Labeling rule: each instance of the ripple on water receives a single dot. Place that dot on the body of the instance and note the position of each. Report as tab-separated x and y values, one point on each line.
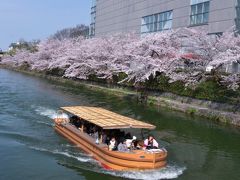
23	138
78	156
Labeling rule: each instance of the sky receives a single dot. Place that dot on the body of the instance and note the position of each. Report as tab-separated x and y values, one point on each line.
38	19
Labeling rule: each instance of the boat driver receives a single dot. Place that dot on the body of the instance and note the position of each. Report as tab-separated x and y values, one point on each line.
151	143
61	118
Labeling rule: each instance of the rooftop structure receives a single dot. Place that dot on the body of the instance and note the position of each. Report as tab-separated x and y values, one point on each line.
105	118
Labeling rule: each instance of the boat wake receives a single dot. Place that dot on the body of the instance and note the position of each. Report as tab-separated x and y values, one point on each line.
45	123
79	156
43	111
169	172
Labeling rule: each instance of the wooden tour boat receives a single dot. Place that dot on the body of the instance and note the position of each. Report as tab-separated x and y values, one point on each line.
107	120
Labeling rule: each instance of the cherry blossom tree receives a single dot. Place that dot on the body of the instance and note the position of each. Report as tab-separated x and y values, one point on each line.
181	55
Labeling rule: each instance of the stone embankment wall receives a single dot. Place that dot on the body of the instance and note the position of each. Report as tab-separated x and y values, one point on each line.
222	112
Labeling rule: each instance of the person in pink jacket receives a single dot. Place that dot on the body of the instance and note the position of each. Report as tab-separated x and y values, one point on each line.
151	143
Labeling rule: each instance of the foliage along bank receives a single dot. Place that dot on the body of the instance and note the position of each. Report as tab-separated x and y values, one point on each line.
172	61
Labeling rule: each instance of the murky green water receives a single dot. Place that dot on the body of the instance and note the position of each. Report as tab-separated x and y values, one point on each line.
31	149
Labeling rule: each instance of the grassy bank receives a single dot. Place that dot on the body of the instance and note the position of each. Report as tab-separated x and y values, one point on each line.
218	111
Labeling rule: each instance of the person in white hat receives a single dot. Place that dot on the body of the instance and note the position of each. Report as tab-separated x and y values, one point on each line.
129	142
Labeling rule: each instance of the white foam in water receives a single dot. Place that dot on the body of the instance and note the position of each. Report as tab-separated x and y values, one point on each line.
82	159
169	172
51	113
41	122
69	145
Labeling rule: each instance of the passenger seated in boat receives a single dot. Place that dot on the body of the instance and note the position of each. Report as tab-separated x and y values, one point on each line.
128	136
137	145
122	147
129	142
78	123
84	129
112	144
92	129
73	119
103	137
150	143
95	134
121	134
88	127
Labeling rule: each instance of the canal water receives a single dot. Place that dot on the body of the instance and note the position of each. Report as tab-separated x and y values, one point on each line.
31	149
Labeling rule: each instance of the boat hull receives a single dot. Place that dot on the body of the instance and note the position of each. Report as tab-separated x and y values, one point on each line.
137	160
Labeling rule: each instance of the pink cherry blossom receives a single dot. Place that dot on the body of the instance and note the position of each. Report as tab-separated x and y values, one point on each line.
181	54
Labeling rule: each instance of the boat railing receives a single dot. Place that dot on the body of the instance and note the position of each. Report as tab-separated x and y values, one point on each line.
91	139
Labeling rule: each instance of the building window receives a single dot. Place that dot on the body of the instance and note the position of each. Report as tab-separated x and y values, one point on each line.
237	19
157	22
93	19
92	29
199	12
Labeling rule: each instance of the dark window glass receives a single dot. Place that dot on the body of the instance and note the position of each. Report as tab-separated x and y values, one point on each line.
199	13
157	22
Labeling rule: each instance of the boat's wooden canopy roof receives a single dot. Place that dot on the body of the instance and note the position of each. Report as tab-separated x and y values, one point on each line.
105	118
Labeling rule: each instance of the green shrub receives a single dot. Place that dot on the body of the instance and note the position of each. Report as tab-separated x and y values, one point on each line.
210	89
55	72
25	66
94	78
191	111
119	77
